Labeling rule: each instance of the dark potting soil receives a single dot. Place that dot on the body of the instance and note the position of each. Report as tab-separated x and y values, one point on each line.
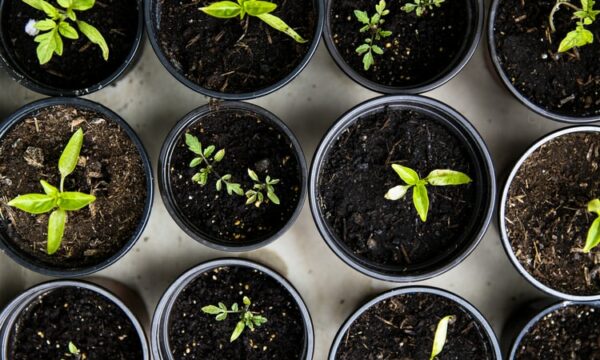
81	64
196	335
357	173
528	53
250	141
546	213
571	332
110	168
94	324
403	327
420	48
233	55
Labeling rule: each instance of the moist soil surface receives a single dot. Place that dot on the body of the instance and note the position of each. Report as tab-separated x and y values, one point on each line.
419	50
403	327
81	64
110	168
357	173
233	55
546	213
98	327
250	141
196	335
528	54
567	333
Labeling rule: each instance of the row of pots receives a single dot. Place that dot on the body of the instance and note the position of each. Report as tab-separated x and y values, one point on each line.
179	329
186	41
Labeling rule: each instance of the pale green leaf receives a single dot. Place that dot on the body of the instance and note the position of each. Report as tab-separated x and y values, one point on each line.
82	5
362	16
34	203
219	155
239	328
362	49
73	201
45	25
594	206
70	156
447	177
195	162
193	144
50	10
36	4
209	151
73	349
56	230
49	189
421	201
368	60
246	301
397	192
59	42
441	332
407	174
212	310
593	236
273	197
94	36
222	9
576	38
257	7
67	30
252	175
46	47
278	24
65	3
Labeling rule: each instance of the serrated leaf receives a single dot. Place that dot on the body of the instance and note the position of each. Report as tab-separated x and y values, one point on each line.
73	201
45	25
209	151
421	201
222	9
233	188
362	49
67	30
70	155
46	47
56	230
94	36
362	16
50	10
59	42
408	175
446	177
193	144
34	203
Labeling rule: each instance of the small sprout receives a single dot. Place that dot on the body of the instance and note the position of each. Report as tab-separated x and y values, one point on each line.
56	26
256	195
373	26
585	16
441	332
57	200
593	235
420	7
420	197
258	8
248	319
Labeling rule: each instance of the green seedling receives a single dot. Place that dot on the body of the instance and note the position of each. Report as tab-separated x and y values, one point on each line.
56	26
439	340
57	200
256	196
74	352
208	157
257	8
248	319
585	16
372	25
420	196
593	235
420	7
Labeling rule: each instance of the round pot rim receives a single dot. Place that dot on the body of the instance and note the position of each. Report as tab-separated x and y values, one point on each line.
8	316
167	151
38	87
458	120
159	330
502	214
151	29
470	308
448	74
494	55
51	270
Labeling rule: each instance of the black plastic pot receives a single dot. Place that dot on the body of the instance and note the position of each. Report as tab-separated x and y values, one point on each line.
12	311
502	214
469	45
20	76
164	183
508	84
486	191
493	341
152	13
45	269
160	322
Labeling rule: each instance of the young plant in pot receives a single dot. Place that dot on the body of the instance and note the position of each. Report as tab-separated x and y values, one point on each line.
233	176
548	214
546	54
70	320
403	46
416	323
232	309
69	47
234	49
402	188
75	187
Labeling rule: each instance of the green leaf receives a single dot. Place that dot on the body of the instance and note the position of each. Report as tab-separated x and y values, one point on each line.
257	7
593	236
362	16
193	144
251	195
253	175
73	201
36	4
219	155
239	328
56	230
377	50
280	25
50	10
407	174
246	301
34	203
222	9
212	310
67	30
385	33
65	3
576	38
82	5
219	185
397	192
274	199
421	201
221	316
46	47
195	162
594	206
203	178
73	349
59	42
209	151
368	60
71	14
441	332
235	307
233	188
380	7
49	189
447	177
259	320
70	155
362	49
45	25
94	36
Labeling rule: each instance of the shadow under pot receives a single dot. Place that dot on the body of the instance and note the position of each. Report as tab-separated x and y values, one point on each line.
397	47
76	187
403	323
402	188
545	214
70	320
232	309
526	47
242	52
90	48
233	176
